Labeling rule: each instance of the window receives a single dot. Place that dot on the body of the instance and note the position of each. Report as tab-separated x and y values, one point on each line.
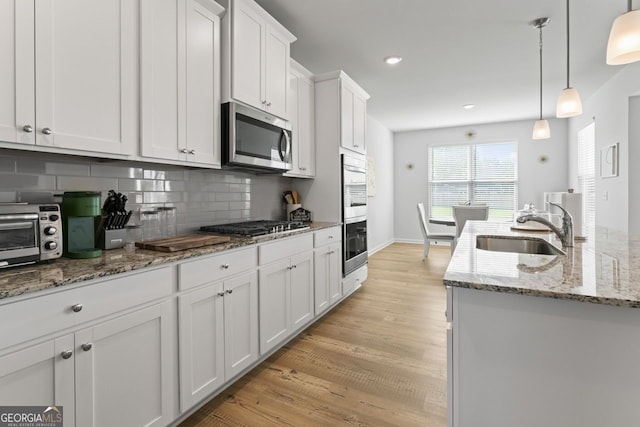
479	173
587	178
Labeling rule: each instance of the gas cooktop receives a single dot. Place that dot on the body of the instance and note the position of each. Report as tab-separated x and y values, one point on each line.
255	228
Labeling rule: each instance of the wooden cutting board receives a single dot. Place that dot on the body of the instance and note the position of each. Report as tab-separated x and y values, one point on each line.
181	243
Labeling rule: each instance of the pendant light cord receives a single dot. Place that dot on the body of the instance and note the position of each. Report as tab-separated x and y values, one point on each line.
540	27
568	84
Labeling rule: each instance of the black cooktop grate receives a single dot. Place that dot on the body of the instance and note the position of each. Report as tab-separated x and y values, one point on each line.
255	228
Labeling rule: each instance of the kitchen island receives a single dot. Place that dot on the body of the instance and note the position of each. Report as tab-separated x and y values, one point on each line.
549	340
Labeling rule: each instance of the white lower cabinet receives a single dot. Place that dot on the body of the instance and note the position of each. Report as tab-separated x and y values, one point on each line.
286	296
112	372
123	370
42	374
328	276
218	330
327	268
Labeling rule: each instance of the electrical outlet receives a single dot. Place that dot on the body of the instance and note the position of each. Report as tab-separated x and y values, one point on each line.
605	195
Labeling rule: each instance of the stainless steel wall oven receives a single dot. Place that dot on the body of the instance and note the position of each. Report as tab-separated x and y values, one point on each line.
354	213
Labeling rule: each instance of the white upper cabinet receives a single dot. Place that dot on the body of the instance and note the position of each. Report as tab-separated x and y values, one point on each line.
302	118
256	56
69	74
180	81
337	92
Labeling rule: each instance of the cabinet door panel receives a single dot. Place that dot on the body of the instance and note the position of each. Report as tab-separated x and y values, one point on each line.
124	379
17	108
276	73
335	272
306	126
248	45
159	78
86	74
359	124
275	303
346	117
38	375
202	84
321	283
201	344
240	323
302	291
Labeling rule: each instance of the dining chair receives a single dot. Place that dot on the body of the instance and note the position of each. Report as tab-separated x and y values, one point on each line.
436	237
463	213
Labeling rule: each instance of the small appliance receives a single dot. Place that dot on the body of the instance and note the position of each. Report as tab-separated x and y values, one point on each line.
29	233
80	216
253	139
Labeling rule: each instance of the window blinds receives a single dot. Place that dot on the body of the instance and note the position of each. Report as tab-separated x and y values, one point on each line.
479	173
587	177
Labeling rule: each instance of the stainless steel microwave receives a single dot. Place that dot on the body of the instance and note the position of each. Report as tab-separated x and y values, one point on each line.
254	139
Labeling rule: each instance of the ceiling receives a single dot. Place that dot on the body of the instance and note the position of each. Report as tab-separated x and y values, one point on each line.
454	53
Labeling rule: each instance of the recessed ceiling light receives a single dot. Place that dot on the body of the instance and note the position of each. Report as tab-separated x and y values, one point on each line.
468	106
392	60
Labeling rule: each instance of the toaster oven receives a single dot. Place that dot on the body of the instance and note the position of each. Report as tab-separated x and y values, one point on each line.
29	233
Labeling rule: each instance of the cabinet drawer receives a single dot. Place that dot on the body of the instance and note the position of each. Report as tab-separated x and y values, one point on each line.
214	268
285	248
354	280
46	314
327	236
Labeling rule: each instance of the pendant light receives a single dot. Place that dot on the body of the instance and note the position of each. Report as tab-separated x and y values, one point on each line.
624	39
569	104
541	127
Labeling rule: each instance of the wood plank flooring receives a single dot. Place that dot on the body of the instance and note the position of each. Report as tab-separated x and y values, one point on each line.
377	359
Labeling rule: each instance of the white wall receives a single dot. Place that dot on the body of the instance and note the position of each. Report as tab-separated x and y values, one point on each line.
609	107
534	177
380	206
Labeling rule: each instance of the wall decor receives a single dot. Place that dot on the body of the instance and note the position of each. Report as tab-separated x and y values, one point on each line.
371	176
609	161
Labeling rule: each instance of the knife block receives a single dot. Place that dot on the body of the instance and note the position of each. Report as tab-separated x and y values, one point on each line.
112	239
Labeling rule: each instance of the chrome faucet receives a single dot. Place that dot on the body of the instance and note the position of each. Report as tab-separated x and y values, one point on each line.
565	234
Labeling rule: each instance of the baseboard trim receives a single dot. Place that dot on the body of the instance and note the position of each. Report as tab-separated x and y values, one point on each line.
381	247
420	242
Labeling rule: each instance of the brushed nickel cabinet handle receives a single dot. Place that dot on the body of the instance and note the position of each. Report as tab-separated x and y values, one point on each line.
27	128
86	346
76	308
46	131
66	354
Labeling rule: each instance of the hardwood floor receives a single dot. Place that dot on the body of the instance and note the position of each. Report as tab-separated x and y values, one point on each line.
377	359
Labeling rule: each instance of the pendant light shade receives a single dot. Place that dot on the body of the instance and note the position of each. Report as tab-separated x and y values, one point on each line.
624	39
541	127
541	130
569	104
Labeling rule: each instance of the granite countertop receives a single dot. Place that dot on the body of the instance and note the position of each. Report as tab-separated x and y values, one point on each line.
604	270
65	271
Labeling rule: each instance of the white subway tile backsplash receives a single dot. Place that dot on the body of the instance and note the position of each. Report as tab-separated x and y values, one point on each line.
201	197
76	183
174	185
110	171
29	165
7	164
27	182
154	174
8	197
228	197
67	168
161	197
140	185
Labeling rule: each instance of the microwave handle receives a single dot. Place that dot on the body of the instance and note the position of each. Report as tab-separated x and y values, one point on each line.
285	155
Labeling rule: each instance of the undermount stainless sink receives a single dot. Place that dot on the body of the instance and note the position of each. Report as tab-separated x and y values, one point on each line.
517	244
